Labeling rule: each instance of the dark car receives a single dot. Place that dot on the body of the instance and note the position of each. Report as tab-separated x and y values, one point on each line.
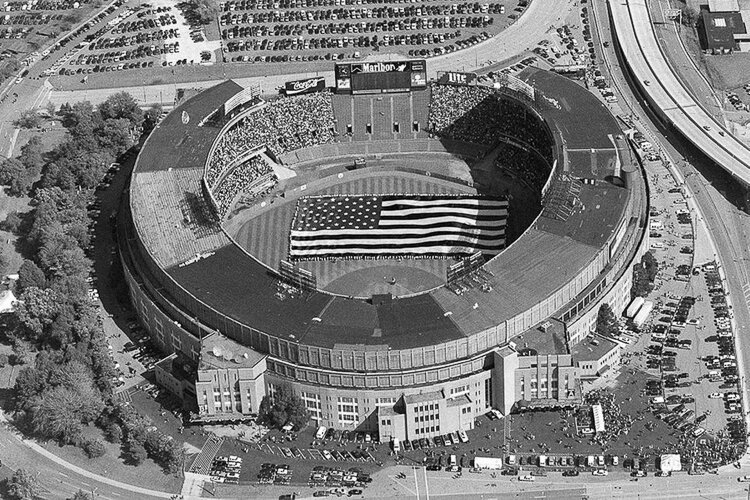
434	467
355	492
571	473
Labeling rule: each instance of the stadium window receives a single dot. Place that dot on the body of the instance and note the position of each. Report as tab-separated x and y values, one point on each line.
368	128
396	127
415	127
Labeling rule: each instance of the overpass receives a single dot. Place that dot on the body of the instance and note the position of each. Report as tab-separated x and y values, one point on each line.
666	94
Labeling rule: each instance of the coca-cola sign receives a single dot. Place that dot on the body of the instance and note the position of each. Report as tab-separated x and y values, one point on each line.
305	86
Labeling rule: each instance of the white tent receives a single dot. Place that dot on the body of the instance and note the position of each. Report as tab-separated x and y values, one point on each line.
598	418
6	301
671	462
488	463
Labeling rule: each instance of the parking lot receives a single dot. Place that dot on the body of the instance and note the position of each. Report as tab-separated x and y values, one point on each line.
339	29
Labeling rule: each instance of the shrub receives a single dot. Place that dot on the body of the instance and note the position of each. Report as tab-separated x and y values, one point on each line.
94	448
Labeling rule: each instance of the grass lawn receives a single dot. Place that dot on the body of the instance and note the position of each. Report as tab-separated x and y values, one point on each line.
12	259
148	474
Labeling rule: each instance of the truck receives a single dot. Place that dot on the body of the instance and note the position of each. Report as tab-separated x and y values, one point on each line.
643	313
452	461
320	434
634	306
396	445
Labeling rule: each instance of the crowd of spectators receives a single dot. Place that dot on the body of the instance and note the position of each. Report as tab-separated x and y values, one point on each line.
252	178
483	115
522	164
282	125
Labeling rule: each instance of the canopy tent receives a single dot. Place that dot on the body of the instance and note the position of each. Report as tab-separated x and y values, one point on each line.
6	301
598	418
670	462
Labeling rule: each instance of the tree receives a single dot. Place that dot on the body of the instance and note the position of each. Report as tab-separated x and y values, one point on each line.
606	322
151	117
650	265
121	105
285	406
24	485
689	16
29	275
12	222
28	119
14	175
94	448
81	495
201	11
135	452
113	432
51	108
22	352
114	136
32	155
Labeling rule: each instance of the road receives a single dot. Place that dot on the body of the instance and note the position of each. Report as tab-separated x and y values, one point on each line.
645	57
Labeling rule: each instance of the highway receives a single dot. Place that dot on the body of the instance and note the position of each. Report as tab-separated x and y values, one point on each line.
637	40
705	184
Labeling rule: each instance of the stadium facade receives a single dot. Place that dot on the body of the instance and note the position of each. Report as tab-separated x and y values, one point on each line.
406	367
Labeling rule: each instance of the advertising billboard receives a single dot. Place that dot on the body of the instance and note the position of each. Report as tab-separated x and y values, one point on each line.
306	86
381	76
457	78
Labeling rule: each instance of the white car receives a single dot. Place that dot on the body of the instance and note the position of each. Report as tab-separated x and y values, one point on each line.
744	479
715	395
527	478
601	472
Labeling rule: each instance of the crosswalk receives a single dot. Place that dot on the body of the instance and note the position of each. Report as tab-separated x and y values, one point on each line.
202	463
746	293
123	395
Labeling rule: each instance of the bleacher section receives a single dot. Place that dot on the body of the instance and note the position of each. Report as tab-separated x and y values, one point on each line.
523	164
252	178
382	112
482	115
178	235
282	125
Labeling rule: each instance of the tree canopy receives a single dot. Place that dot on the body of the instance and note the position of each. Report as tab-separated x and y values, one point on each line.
285	407
606	322
24	485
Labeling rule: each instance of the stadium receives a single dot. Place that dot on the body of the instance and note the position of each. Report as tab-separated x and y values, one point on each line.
405	254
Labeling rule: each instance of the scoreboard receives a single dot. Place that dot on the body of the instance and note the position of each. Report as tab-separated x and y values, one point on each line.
383	76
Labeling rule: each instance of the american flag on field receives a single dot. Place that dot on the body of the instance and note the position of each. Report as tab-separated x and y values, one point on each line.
394	225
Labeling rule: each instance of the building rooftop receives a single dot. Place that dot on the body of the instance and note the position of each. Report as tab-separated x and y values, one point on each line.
187	144
220	352
719	29
387	411
462	400
723	5
423	397
551	341
593	348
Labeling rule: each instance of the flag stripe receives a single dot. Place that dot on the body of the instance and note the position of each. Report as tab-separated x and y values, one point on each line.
327	241
421	250
351	234
429	211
